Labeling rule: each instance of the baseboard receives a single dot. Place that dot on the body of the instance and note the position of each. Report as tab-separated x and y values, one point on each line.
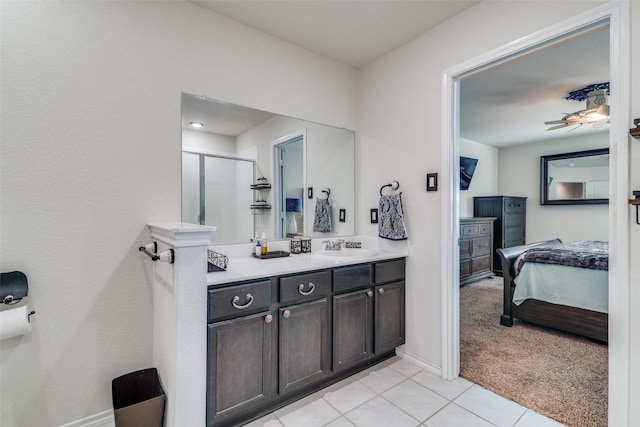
102	419
402	353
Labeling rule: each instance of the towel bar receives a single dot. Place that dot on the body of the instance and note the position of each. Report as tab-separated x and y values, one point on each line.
394	186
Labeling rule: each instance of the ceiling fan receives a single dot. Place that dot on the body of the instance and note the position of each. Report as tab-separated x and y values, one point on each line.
596	113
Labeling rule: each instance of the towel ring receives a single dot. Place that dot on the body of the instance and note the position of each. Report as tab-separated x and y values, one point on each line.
394	186
328	191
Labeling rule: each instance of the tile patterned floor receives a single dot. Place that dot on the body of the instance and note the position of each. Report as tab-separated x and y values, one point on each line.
397	393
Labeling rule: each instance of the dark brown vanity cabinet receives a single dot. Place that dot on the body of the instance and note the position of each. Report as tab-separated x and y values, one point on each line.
368	319
272	341
304	346
237	384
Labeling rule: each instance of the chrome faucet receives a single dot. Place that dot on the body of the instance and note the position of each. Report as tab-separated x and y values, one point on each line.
334	245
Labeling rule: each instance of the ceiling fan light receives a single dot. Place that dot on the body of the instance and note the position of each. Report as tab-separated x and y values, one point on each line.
601	113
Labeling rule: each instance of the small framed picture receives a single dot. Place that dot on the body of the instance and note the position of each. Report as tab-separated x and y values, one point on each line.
432	182
374	216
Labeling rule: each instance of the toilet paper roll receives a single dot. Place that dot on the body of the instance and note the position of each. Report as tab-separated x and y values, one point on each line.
14	322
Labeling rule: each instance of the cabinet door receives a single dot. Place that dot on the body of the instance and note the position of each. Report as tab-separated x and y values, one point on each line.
389	316
304	344
239	365
352	328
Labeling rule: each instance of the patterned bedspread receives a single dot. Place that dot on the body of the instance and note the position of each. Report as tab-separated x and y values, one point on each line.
585	254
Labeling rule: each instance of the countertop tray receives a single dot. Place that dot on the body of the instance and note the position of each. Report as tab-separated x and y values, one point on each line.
273	254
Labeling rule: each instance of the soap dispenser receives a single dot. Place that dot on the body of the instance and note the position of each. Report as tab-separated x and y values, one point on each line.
264	248
258	246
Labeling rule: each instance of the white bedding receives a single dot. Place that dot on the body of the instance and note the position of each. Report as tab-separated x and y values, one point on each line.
559	284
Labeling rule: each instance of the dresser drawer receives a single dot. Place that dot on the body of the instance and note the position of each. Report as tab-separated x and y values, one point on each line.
470	230
513	219
512	204
239	300
389	271
465	268
513	234
304	287
352	277
465	248
481	246
480	264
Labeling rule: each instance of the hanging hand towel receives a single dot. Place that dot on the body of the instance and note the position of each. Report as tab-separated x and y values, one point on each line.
322	220
391	218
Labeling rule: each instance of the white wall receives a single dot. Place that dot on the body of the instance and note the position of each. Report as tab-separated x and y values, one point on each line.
485	178
520	176
406	85
91	153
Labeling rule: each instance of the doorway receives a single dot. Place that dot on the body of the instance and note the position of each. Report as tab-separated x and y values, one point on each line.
289	155
617	15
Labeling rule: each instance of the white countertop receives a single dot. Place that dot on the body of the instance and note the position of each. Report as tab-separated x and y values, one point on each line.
248	267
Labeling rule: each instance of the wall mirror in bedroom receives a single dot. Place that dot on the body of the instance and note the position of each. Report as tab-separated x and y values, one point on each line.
579	178
233	176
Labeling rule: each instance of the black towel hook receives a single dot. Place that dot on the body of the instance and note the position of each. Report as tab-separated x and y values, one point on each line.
328	191
394	186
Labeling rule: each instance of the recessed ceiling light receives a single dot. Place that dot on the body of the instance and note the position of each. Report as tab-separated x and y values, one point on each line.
196	124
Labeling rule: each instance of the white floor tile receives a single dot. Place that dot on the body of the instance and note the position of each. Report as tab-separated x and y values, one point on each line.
406	368
448	389
415	399
454	416
267	421
340	422
380	413
534	419
382	380
349	397
496	409
314	414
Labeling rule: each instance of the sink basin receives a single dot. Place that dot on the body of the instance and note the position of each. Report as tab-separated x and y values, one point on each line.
348	253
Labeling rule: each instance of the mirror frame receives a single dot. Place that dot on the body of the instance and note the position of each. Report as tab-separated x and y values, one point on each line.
544	178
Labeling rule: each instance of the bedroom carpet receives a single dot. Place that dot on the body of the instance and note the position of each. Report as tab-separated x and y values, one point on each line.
556	374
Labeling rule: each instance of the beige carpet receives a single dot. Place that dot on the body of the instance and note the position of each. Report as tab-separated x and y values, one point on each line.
558	375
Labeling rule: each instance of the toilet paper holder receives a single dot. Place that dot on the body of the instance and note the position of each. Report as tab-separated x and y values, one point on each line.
151	250
13	287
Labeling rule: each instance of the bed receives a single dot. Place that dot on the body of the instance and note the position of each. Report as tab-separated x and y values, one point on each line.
540	288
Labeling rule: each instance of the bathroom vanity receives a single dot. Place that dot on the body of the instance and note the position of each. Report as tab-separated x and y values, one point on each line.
277	337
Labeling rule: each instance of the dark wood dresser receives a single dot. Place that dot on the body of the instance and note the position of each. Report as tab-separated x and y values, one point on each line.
510	225
476	255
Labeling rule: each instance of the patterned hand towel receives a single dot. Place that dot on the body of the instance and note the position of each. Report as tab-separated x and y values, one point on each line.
322	220
391	218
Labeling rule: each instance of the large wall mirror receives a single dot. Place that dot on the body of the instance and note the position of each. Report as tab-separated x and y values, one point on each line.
249	172
577	178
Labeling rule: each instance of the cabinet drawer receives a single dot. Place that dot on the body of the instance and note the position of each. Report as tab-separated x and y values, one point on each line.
486	229
389	271
469	230
303	287
465	248
512	204
513	233
465	268
480	264
239	300
513	219
353	277
481	246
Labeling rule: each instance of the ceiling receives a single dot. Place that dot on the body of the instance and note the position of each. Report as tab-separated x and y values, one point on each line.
504	105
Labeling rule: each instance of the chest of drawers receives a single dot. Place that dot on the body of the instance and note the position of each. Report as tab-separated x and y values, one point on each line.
476	254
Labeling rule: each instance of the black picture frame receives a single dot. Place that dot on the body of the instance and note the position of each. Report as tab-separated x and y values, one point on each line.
546	179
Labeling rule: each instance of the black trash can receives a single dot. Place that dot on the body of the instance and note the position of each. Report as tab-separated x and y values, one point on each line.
138	399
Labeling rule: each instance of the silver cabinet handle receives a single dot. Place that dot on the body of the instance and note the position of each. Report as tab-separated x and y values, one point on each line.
312	288
268	318
236	299
369	294
286	314
381	291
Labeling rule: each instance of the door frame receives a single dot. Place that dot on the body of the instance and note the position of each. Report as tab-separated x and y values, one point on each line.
617	13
